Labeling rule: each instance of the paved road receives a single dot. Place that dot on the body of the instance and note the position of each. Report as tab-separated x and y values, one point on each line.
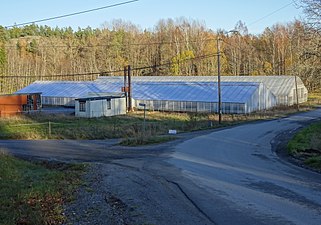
242	181
74	150
229	176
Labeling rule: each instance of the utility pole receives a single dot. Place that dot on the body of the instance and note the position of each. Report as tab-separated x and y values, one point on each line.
144	124
219	73
296	82
296	91
130	108
125	86
219	81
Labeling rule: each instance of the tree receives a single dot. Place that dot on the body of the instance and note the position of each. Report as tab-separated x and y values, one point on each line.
312	10
3	60
173	47
311	53
3	57
181	64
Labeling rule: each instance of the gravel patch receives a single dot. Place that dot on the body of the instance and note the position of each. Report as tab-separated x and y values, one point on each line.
116	193
94	204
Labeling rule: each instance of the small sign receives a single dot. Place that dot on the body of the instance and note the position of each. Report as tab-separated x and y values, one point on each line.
125	89
142	104
172	132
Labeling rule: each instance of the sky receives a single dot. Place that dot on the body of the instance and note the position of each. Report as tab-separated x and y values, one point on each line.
215	14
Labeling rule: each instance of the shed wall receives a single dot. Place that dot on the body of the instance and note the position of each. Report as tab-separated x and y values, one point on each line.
99	108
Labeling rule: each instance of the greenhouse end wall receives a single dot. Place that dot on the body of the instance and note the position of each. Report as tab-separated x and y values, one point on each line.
261	99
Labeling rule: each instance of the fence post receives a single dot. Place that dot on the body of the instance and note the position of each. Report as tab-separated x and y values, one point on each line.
49	129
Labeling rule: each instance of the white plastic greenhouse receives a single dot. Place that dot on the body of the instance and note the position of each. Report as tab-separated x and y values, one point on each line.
283	87
181	93
203	97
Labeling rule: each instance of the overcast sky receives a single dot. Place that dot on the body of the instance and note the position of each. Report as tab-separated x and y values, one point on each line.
216	14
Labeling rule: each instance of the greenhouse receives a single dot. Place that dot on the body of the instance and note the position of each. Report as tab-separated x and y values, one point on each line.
64	93
181	93
203	96
283	87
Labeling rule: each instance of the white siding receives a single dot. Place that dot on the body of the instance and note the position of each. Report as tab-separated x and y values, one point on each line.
99	108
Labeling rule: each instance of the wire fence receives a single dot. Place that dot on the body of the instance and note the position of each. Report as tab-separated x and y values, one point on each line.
36	126
44	128
93	130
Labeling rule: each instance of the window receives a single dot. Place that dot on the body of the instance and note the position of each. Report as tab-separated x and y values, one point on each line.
82	106
108	103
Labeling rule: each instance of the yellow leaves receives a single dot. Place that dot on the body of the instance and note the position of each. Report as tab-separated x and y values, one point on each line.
268	68
180	59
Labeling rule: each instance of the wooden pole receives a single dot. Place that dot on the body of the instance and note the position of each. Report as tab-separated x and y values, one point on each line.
297	96
219	81
49	129
125	86
130	107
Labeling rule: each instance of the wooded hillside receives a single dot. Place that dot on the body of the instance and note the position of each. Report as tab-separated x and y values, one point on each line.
173	47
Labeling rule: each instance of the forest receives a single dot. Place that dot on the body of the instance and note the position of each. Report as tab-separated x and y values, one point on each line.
173	47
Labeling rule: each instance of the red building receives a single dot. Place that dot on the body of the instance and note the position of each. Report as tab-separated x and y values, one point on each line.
16	103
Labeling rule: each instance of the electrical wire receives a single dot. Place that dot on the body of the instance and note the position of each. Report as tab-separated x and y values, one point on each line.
60	75
270	14
111	71
110	45
71	14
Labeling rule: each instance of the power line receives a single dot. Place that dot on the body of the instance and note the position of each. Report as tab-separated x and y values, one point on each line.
123	44
270	14
111	71
180	61
60	75
72	14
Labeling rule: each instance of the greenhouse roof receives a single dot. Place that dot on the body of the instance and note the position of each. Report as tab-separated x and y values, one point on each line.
278	85
238	92
73	89
194	91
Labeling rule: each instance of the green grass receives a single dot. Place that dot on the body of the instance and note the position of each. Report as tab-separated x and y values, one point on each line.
308	138
34	193
314	161
36	126
306	144
146	140
130	126
314	98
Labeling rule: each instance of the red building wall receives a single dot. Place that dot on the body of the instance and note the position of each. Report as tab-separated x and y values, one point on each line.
13	104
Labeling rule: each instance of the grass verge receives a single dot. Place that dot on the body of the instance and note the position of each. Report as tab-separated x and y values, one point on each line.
34	193
36	126
314	99
143	140
306	145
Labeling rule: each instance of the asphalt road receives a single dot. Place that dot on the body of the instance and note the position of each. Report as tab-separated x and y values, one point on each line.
229	176
243	181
